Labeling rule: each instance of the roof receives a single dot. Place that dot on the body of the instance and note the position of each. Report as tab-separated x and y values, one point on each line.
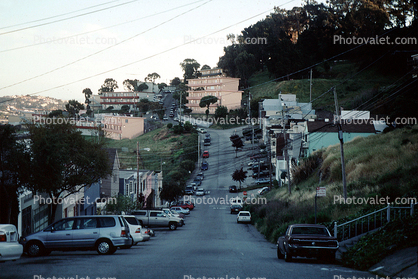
347	127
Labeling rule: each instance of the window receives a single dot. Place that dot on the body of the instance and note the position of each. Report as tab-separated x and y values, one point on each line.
106	222
126	120
86	223
66	224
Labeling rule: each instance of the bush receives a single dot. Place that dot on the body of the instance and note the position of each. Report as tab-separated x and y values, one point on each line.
177	129
170	125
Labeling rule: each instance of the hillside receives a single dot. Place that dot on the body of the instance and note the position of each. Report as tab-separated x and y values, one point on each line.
354	85
384	165
165	149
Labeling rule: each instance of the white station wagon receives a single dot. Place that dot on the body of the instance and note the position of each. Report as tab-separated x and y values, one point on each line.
10	248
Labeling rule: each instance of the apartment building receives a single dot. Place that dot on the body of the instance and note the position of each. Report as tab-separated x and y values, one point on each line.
213	82
123	127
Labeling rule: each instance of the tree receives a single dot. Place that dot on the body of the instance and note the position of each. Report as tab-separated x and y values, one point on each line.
162	85
11	155
152	77
61	162
143	86
236	142
188	126
176	81
189	67
221	112
130	85
206	102
205	67
125	108
87	94
109	85
73	107
120	203
239	175
55	113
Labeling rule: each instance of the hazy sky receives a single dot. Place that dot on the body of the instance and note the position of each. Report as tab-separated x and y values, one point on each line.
124	39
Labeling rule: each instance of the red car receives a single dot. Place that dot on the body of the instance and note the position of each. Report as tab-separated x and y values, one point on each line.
205	154
185	205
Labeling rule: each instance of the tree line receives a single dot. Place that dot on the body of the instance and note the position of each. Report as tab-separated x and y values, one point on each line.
303	36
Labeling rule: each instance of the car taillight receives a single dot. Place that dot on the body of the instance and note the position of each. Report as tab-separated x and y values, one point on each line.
2	237
123	233
138	230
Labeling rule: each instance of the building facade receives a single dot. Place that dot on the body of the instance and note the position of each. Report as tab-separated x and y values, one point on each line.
213	82
123	127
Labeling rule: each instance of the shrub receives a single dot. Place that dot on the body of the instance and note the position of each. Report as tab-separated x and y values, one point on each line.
169	125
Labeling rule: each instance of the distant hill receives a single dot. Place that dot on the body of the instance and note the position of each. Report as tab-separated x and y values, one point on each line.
10	105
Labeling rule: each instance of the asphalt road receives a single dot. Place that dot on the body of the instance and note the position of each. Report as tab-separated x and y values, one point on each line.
210	245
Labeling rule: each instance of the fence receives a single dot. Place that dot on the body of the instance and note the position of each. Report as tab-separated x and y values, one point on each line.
371	221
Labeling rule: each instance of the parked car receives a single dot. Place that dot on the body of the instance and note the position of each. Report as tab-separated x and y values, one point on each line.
235	208
134	229
244	217
205	154
200	192
103	233
236	200
233	189
307	240
173	213
206	142
197	181
189	190
205	166
201	174
262	181
201	130
180	209
10	248
207	136
165	118
182	204
263	190
156	218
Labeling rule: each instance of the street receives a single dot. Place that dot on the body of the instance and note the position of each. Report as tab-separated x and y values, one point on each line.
210	245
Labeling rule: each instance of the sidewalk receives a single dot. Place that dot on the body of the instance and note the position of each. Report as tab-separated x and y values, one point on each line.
401	264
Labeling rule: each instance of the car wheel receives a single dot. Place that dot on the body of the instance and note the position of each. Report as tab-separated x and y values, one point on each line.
279	253
287	257
35	249
172	226
105	247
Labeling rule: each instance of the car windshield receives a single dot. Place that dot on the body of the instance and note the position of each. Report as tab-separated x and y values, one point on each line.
310	230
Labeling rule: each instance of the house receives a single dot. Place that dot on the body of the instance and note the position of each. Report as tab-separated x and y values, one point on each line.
150	185
321	134
123	127
213	82
110	184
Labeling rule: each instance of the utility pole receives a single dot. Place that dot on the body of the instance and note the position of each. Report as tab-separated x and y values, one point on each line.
341	138
252	129
310	88
180	110
137	170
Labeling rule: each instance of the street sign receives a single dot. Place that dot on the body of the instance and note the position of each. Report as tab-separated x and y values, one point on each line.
321	191
244	193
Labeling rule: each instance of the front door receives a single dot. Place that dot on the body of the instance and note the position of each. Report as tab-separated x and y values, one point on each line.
60	235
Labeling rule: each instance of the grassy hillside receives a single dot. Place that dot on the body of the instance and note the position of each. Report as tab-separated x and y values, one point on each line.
353	86
165	147
382	165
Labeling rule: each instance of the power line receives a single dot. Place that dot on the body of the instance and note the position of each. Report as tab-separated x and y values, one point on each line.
51	17
102	50
104	28
64	19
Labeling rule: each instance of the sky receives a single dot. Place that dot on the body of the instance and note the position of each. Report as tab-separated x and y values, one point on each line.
58	48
